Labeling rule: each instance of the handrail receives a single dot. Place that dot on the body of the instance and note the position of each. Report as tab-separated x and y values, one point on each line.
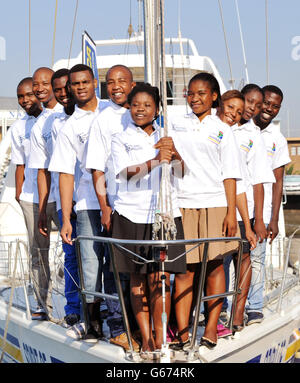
285	269
191	352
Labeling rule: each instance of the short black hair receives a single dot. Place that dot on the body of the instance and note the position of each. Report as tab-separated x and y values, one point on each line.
145	87
24	80
273	89
59	73
120	66
81	68
213	83
250	87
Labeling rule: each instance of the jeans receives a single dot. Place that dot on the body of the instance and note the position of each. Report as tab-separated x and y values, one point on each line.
89	224
39	251
71	273
256	291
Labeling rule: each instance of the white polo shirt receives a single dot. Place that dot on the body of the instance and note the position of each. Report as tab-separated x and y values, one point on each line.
20	150
58	121
255	166
41	143
210	153
114	119
69	153
278	155
137	198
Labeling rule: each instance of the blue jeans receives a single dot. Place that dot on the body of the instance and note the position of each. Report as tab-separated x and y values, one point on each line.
256	291
70	273
89	224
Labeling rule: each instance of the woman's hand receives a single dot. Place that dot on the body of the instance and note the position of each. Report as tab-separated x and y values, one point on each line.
251	238
229	225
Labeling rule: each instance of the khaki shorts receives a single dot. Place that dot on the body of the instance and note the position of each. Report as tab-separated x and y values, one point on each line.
206	223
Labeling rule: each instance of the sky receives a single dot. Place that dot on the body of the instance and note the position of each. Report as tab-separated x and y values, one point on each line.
200	20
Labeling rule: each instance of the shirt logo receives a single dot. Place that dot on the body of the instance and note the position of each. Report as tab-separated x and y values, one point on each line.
216	139
272	151
82	137
129	147
247	147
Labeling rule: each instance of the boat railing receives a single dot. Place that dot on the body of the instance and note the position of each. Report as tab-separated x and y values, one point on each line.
192	352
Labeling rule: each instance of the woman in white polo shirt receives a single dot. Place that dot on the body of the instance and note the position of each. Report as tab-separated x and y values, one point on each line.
231	112
137	154
206	193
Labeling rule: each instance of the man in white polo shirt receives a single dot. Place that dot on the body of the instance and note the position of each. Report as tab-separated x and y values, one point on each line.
278	157
113	120
42	89
43	141
26	179
67	158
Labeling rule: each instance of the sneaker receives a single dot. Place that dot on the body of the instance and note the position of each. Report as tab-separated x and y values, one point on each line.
77	331
122	340
223	331
92	336
72	319
39	314
254	317
223	317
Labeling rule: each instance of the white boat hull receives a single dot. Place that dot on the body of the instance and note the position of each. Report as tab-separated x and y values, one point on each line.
275	340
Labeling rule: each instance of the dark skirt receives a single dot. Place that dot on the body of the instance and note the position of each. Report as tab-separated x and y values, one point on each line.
123	228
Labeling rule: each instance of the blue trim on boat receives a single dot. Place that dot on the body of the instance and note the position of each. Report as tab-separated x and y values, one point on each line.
12	339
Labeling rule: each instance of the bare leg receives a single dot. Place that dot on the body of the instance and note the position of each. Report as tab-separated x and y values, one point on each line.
156	304
140	307
183	297
244	285
215	284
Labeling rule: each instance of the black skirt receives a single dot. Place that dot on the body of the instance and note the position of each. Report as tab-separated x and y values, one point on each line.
123	228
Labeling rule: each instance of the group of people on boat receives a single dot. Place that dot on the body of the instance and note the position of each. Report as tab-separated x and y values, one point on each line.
95	169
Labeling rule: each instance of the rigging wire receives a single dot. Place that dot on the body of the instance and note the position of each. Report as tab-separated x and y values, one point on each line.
267	41
242	41
29	39
54	33
231	81
72	36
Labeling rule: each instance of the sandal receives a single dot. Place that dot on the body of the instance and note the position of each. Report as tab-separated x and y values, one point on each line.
208	343
180	346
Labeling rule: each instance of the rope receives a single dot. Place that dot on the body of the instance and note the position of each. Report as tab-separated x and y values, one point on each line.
164	219
54	33
227	49
72	36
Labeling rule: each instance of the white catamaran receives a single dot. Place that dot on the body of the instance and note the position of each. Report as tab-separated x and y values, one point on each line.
276	339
